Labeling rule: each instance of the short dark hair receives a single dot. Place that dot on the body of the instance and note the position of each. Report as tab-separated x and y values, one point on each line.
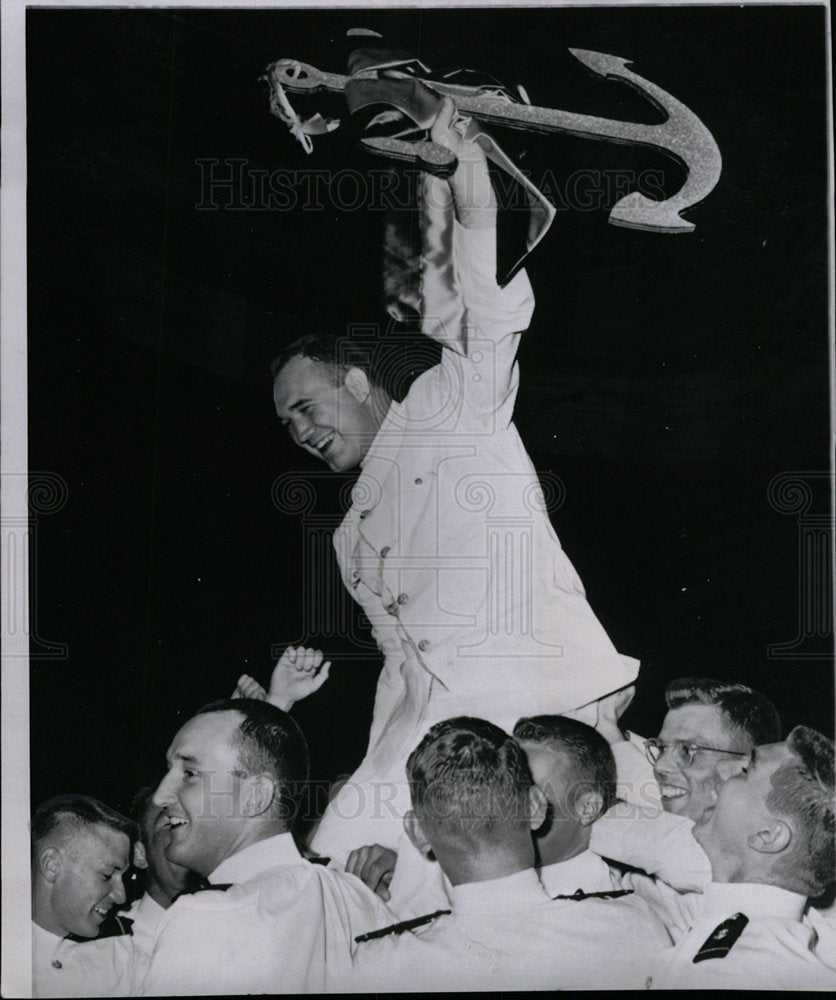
140	804
803	791
68	813
269	741
750	711
593	764
338	354
469	774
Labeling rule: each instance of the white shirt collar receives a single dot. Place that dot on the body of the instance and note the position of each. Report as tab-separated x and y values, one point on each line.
511	892
586	871
43	940
754	899
258	857
387	426
147	909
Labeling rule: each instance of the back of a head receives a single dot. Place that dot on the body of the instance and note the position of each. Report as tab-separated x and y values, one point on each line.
749	711
592	761
65	815
141	803
270	742
803	792
468	775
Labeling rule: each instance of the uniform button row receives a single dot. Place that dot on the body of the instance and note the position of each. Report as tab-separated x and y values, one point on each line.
424	644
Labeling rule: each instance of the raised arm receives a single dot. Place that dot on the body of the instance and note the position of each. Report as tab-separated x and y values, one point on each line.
463	306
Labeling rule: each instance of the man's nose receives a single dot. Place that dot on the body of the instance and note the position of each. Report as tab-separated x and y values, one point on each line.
117	890
302	428
164	794
666	763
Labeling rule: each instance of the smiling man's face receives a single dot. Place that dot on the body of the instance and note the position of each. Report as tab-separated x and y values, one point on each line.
89	882
740	810
329	419
200	796
688	791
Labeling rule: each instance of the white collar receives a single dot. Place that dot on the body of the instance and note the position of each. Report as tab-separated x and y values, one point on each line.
147	908
511	892
388	429
258	857
754	899
44	939
586	871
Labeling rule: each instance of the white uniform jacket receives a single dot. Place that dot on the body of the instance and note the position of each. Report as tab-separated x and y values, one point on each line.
507	934
281	926
749	937
100	967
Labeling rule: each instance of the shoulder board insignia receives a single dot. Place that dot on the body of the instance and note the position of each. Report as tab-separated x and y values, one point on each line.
610	894
722	938
317	860
404	925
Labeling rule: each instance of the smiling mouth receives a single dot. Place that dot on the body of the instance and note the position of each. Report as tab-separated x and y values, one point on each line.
101	911
174	822
672	791
323	443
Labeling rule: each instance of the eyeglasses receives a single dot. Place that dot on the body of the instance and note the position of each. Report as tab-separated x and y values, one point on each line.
683	754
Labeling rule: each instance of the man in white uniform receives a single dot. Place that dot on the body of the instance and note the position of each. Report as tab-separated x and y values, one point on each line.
81	849
770	841
573	766
269	921
447	546
709	729
475	806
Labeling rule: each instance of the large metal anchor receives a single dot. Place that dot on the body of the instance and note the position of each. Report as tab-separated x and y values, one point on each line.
682	135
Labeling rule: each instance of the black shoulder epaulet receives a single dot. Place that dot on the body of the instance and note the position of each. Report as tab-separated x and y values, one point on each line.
404	925
216	886
609	894
722	938
115	925
318	860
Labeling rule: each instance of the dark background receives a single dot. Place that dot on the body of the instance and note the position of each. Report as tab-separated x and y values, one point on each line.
666	380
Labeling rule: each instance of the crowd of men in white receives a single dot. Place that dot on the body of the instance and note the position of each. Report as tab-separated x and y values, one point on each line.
557	857
565	854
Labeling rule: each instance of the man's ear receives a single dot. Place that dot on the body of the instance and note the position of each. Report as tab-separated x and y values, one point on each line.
258	794
140	857
415	832
772	839
588	806
50	863
357	383
538	806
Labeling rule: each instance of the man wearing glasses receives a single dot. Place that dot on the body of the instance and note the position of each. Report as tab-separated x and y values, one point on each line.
710	730
710	727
